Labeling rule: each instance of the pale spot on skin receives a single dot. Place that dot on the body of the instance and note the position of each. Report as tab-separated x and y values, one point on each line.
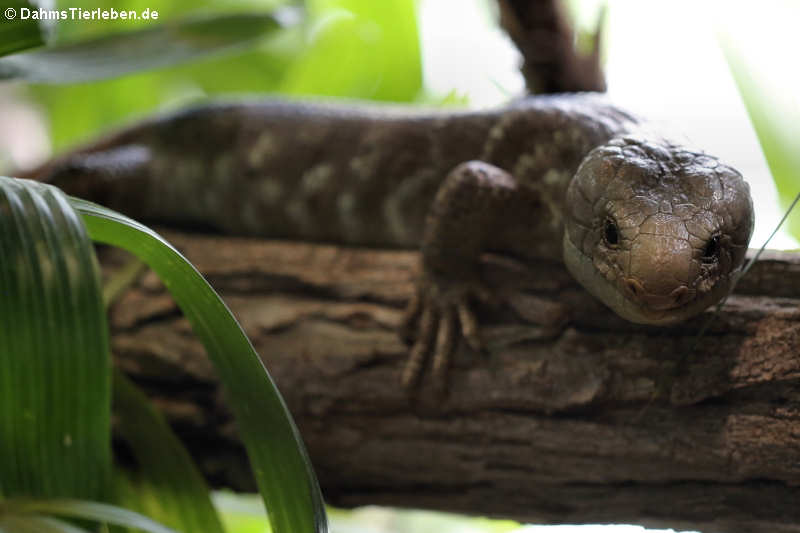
224	167
551	189
363	166
184	176
316	178
346	206
210	201
496	135
250	216
265	147
270	191
266	194
551	185
398	222
298	212
441	122
157	196
557	178
497	132
392	213
525	163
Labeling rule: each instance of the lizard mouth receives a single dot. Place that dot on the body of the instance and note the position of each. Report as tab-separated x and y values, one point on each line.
619	298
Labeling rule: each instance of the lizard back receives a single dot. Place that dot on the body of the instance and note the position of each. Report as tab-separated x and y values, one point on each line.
362	175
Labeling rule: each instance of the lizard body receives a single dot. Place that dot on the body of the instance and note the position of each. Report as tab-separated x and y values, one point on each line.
655	230
362	175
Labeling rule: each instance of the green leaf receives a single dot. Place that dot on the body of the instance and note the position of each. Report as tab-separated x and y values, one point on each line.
36	524
279	460
73	30
242	513
86	510
167	487
54	364
360	49
16	31
122	53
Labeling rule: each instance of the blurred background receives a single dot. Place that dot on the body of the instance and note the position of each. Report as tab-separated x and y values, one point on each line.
702	71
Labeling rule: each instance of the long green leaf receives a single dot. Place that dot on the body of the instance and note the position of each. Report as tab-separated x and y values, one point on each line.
86	510
167	486
54	365
123	53
36	524
279	460
17	31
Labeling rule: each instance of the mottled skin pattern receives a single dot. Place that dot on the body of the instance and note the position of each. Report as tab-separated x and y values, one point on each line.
652	229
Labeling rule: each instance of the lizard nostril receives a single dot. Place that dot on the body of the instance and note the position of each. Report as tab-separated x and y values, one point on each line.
681	295
634	288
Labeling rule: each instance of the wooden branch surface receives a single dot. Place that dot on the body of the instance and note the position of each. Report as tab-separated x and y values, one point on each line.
555	424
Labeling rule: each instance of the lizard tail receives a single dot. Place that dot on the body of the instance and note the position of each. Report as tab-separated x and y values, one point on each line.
92	174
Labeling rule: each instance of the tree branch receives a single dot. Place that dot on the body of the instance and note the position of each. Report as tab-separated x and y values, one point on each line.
556	424
546	39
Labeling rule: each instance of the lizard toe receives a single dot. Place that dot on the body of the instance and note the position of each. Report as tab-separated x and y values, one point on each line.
445	346
436	317
428	324
469	325
411	316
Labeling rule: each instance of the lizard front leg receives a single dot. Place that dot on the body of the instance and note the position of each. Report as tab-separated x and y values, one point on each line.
478	208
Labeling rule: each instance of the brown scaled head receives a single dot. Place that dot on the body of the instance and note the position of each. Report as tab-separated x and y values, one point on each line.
654	230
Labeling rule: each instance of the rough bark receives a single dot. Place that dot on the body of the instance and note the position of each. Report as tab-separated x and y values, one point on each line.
552	60
555	424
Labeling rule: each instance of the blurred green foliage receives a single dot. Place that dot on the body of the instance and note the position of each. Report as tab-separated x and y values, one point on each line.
17	33
359	48
344	48
244	513
774	110
166	485
158	46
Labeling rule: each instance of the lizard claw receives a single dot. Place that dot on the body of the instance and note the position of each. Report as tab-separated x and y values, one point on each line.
432	318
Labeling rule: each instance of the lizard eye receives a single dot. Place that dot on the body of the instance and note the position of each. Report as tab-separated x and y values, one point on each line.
610	233
711	251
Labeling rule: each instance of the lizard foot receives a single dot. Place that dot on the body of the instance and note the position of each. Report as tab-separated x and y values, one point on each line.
432	318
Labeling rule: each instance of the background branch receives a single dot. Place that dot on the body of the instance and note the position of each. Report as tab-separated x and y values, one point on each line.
553	63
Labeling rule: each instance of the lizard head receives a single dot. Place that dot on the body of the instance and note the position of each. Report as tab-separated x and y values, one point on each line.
655	231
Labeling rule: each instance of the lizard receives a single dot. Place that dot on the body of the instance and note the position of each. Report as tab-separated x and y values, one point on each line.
655	230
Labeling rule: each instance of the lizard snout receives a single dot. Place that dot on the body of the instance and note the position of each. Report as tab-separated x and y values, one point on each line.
636	292
660	268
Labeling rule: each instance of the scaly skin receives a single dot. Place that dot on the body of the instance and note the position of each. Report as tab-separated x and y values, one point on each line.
683	222
654	230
